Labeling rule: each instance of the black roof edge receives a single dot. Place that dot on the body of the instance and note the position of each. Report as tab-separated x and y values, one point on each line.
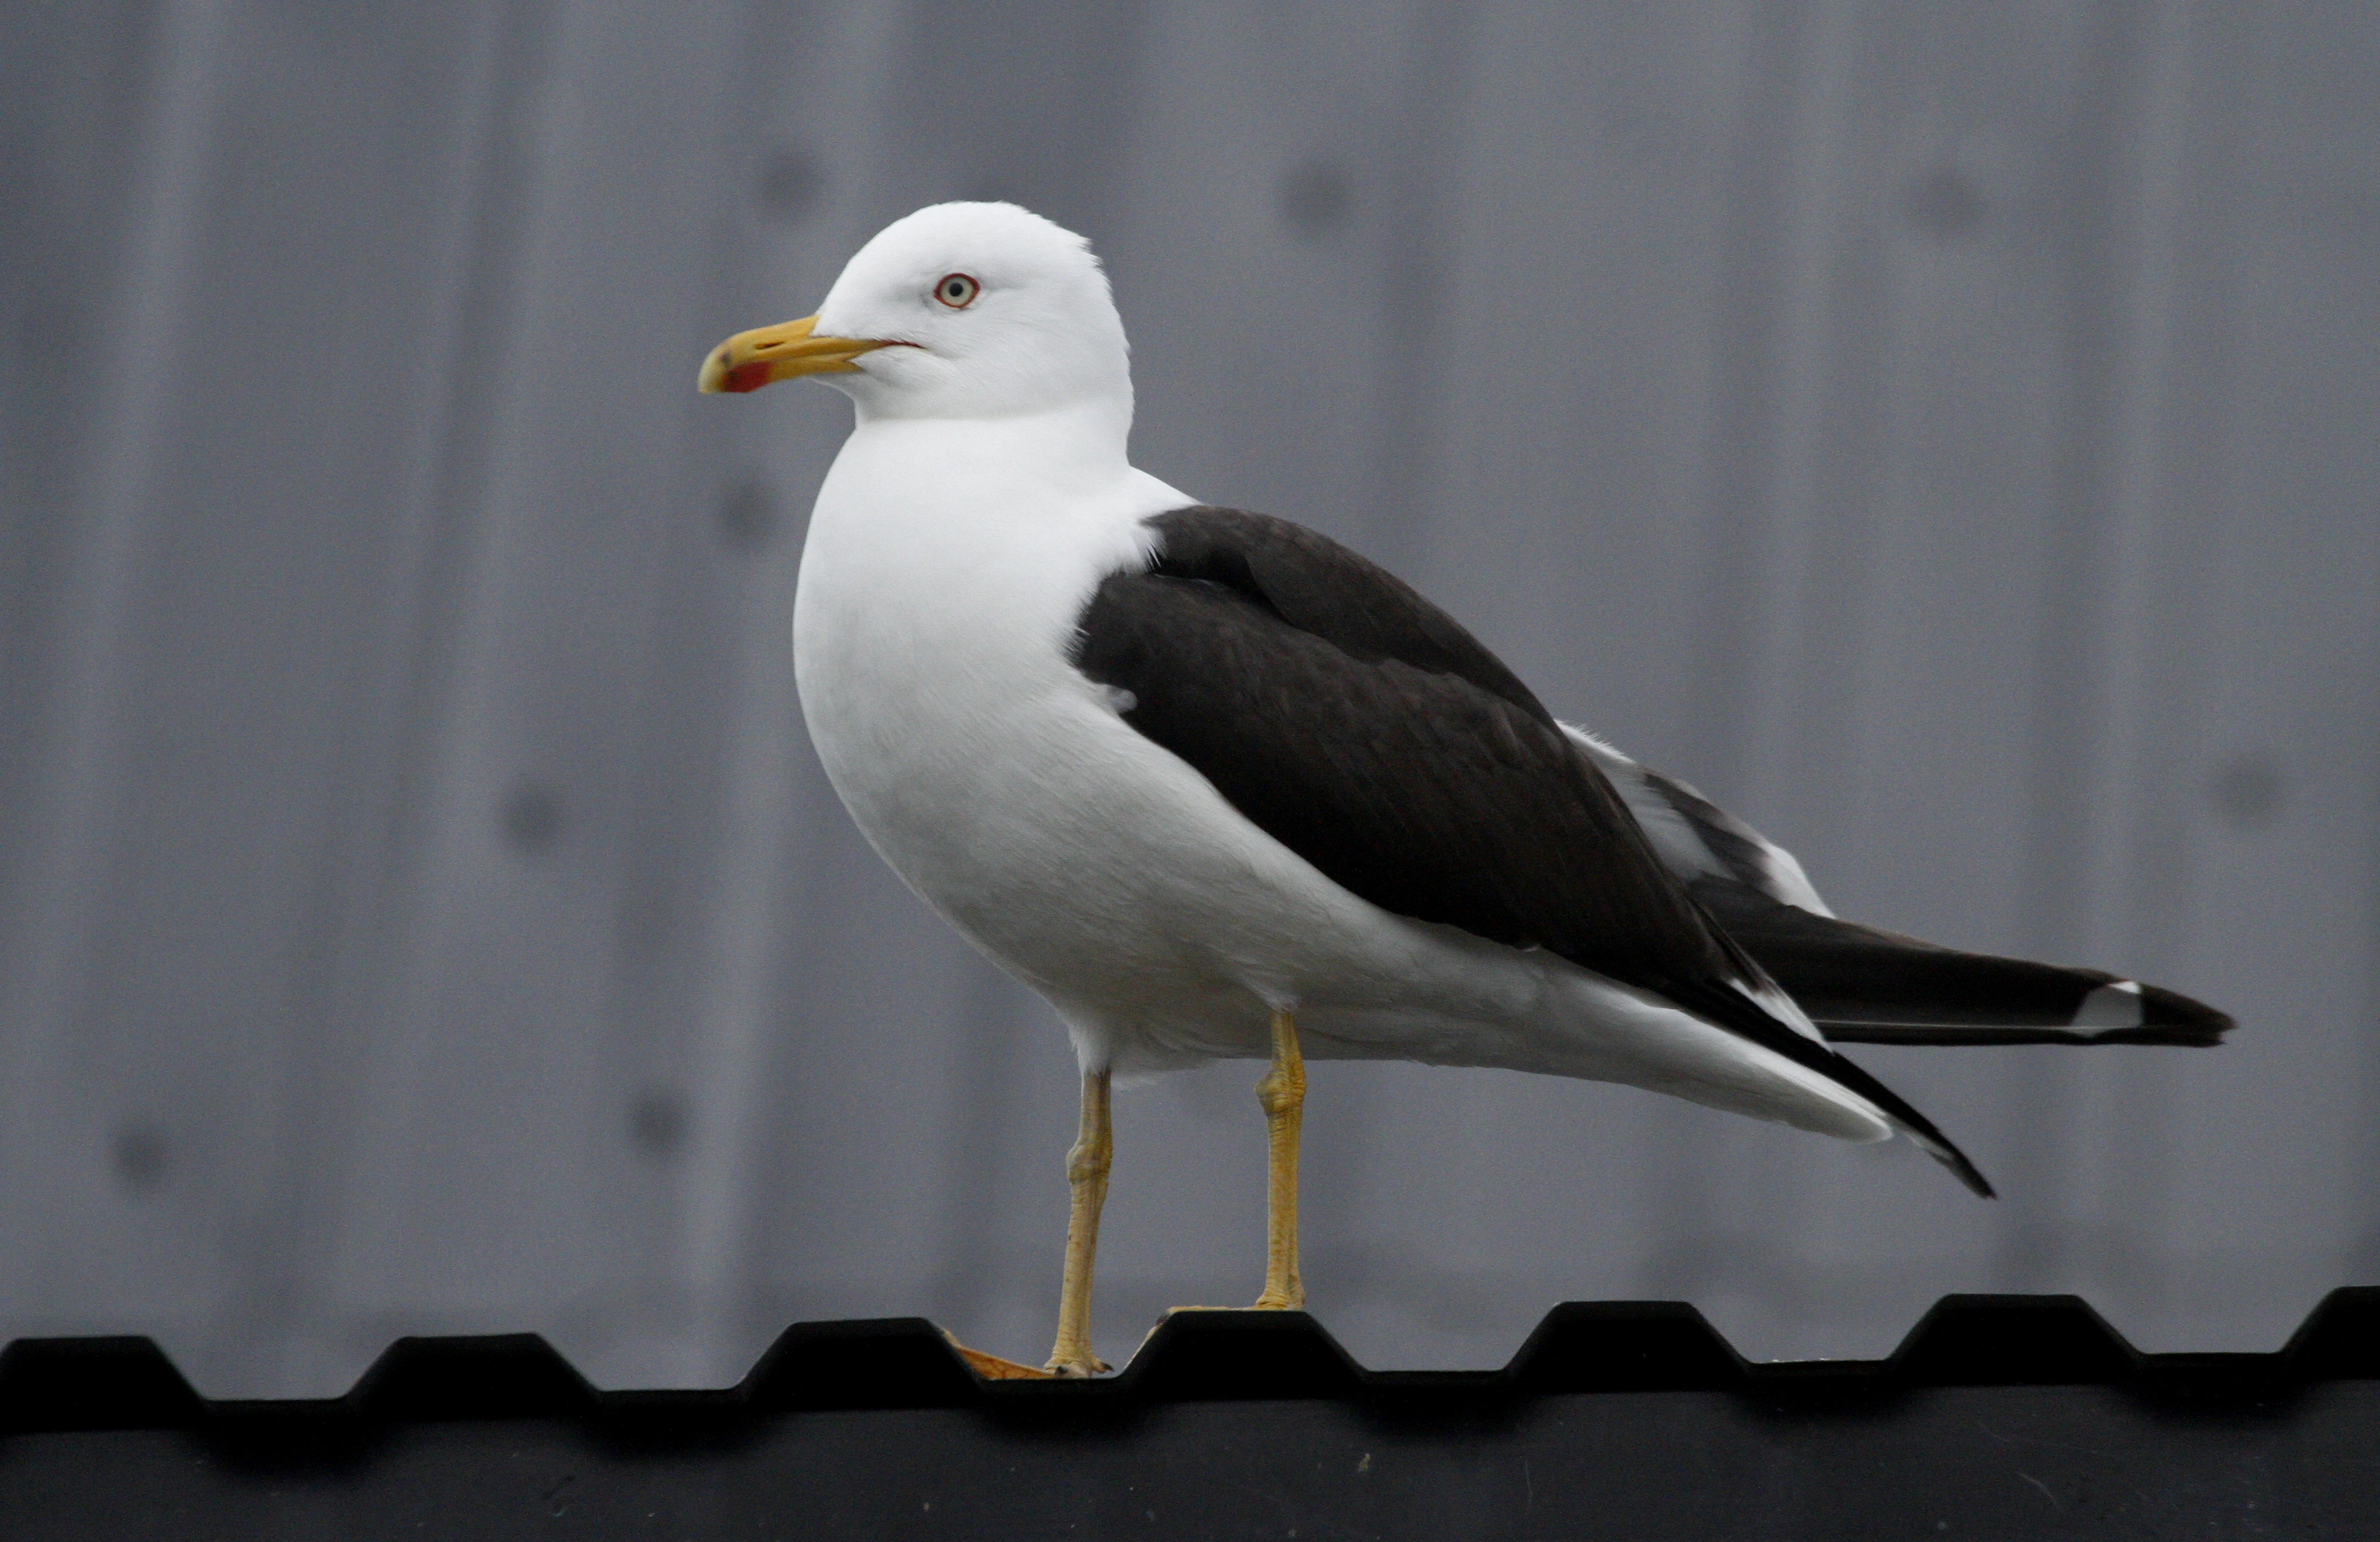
1639	1346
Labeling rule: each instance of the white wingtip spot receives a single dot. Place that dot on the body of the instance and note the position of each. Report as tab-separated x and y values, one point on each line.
2114	1006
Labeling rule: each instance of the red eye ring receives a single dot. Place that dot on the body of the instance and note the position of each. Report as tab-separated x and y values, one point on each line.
956	290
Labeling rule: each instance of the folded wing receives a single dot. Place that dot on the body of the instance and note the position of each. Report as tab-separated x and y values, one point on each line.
1364	729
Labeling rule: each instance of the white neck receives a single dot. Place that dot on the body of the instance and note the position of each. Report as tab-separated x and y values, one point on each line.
1069	449
969	534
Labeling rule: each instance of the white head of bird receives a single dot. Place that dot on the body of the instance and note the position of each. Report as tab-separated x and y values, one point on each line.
960	311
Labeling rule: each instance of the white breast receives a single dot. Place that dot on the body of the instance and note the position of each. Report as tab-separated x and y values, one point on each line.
946	567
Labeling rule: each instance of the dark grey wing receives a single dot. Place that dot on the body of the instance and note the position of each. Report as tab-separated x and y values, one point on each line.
1365	730
1865	986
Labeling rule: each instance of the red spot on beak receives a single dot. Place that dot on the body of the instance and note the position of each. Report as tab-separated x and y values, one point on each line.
748	377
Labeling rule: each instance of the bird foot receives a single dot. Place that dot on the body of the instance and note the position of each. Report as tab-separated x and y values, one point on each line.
992	1368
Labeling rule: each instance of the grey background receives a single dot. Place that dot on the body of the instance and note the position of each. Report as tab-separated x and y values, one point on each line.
1944	432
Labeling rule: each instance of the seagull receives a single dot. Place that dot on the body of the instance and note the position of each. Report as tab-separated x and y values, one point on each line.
1218	787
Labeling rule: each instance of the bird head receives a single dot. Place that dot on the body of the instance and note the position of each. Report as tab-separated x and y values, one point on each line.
958	310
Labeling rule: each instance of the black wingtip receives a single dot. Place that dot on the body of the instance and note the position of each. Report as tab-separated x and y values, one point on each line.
1916	1126
1865	986
2174	1018
1961	1168
1969	1036
2168	1018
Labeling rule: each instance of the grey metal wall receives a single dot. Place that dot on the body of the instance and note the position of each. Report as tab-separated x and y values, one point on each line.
1945	432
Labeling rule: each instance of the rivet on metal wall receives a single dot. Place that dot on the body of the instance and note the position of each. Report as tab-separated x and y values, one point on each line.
139	1158
1945	203
748	515
2247	791
790	182
1316	197
531	818
657	1124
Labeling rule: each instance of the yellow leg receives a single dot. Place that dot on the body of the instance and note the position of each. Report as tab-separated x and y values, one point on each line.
1086	1175
1281	1095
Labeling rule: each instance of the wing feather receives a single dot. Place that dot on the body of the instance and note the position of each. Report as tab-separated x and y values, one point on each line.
1366	730
1861	984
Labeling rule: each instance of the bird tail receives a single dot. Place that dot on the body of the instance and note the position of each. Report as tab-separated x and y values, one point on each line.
1863	986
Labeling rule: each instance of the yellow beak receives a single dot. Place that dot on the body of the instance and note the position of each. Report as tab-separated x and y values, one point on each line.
751	360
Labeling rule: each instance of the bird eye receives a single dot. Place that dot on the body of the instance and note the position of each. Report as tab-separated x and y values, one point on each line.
956	290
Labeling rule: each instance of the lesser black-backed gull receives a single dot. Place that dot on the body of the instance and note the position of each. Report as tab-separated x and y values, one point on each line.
1216	786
